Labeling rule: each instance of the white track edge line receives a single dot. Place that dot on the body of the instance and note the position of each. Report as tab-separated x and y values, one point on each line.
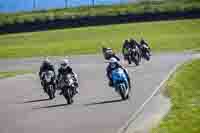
124	128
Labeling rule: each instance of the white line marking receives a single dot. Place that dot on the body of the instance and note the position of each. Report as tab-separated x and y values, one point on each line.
124	128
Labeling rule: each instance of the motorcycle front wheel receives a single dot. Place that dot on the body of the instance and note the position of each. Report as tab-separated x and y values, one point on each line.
123	92
68	96
51	92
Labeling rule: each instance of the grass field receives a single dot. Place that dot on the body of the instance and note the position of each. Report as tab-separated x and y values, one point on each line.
114	10
184	90
162	36
12	73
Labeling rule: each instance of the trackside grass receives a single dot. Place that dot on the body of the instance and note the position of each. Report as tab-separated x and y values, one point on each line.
163	36
12	74
184	90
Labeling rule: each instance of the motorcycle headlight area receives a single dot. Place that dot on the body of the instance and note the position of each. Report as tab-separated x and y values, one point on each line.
48	78
70	82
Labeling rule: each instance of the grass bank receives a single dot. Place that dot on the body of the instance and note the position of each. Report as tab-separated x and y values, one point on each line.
163	36
12	74
113	10
184	90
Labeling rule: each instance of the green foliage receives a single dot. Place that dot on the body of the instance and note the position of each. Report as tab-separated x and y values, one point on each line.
137	8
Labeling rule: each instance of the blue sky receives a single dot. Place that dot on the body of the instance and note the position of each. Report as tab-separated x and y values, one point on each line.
27	5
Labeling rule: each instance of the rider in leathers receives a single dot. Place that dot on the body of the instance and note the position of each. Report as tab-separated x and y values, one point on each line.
142	43
114	64
66	69
137	46
46	66
125	47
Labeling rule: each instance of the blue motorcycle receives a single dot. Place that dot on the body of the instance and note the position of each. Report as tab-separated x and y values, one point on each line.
120	83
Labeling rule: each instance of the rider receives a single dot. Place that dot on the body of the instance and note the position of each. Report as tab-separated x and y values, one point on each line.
142	43
134	43
114	64
137	46
66	69
46	66
126	45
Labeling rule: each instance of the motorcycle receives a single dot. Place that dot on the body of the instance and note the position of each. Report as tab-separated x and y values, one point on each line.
134	55
146	52
49	83
120	83
68	87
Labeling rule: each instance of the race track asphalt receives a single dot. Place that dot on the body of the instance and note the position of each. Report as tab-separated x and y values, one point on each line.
24	107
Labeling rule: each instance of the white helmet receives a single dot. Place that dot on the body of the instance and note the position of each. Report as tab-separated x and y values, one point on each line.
109	50
113	62
64	63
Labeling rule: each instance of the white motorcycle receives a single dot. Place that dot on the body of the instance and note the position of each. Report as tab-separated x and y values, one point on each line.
48	82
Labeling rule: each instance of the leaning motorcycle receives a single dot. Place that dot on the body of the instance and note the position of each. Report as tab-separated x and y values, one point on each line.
48	82
146	52
134	56
68	87
120	83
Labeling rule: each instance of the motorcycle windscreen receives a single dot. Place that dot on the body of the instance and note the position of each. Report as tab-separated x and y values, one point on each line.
118	75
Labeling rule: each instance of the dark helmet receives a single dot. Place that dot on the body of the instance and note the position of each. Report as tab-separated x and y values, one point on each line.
110	52
46	62
126	41
132	40
142	41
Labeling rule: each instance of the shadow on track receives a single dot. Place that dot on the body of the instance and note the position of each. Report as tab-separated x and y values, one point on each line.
51	106
38	100
103	102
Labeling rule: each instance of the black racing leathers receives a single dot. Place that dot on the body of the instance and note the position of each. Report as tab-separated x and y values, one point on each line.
46	67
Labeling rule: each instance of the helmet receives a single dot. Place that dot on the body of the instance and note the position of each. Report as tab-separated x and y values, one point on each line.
126	41
109	51
46	61
132	40
113	60
142	41
64	63
113	63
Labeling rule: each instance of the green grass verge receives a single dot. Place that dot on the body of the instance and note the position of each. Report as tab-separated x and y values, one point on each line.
12	74
184	90
162	36
137	8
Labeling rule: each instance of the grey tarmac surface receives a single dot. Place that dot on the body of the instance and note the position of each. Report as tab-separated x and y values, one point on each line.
97	109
